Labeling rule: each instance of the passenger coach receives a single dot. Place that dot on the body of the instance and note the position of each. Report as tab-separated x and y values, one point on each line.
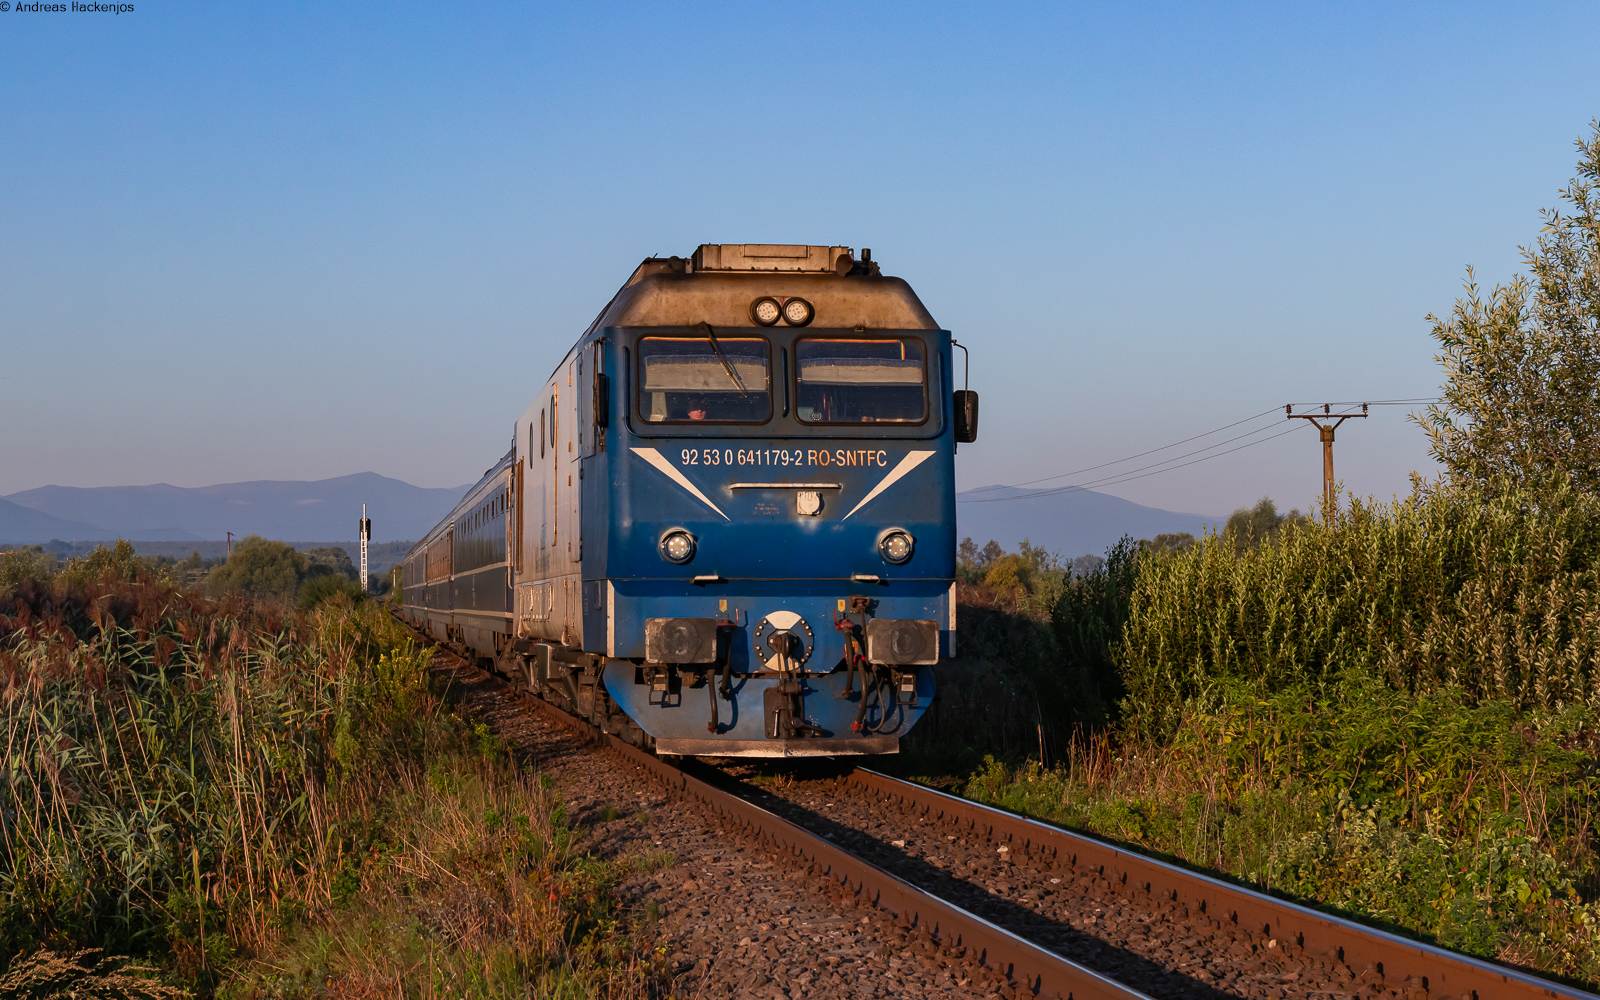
726	525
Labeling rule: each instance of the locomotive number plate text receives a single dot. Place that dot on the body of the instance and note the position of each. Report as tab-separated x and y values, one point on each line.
790	457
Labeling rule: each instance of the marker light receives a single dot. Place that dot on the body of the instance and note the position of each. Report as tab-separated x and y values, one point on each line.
798	312
765	311
677	546
895	546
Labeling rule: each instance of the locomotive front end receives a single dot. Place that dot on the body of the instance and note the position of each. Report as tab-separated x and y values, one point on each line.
732	510
779	553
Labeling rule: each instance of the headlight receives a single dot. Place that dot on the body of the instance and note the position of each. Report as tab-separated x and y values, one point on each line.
895	546
765	311
677	546
798	312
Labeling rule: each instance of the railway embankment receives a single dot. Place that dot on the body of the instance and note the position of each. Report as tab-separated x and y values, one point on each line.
1145	924
233	798
1155	929
1394	718
726	915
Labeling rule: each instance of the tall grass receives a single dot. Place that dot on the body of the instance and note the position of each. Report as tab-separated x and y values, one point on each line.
246	794
1496	596
1398	718
1471	825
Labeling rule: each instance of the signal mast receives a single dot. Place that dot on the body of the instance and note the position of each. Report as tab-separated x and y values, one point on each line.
365	530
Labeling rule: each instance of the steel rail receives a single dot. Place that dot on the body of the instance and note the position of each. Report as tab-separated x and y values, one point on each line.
1040	971
1438	971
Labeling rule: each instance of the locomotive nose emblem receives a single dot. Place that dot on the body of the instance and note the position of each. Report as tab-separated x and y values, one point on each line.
808	502
783	632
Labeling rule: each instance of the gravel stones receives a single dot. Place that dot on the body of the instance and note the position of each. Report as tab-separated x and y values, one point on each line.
736	920
1152	945
741	920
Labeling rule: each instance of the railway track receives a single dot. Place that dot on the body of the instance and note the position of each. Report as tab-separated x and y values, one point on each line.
1148	924
1057	913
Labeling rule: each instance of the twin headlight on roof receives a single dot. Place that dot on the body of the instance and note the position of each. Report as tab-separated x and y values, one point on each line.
795	312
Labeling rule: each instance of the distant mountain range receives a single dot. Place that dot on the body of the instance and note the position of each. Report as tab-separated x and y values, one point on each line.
1071	523
24	524
326	509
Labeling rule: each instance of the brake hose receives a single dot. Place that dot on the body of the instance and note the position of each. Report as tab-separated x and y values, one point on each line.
848	629
867	688
725	686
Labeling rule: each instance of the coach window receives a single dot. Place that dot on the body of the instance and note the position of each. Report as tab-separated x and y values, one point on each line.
860	381
705	377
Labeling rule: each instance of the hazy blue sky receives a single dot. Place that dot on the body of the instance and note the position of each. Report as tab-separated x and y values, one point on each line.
291	241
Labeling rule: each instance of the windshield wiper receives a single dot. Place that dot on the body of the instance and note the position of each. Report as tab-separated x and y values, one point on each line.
724	359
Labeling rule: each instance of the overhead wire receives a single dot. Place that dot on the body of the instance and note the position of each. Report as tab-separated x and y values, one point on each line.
1115	476
1141	454
1372	402
1130	477
1166	465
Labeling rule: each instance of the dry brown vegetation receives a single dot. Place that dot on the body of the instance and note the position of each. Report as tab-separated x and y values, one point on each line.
252	799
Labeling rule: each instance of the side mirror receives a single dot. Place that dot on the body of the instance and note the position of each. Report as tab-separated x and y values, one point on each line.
602	400
966	409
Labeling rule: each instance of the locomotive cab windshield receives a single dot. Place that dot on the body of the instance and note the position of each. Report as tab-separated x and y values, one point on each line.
732	378
857	380
725	379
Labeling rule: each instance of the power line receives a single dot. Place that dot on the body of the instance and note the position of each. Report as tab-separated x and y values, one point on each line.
1130	474
1375	402
1141	454
1118	476
1114	480
1252	444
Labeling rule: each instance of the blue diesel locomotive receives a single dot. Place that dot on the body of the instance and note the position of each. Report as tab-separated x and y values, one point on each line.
726	526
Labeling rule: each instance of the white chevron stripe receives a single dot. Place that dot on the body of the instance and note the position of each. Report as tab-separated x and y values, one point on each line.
911	461
656	459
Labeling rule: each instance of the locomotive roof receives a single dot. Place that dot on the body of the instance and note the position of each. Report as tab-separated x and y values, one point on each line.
719	281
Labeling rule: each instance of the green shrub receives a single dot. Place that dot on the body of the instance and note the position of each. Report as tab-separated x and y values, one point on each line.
1249	526
118	564
1468	824
1398	719
1088	615
24	565
1496	596
325	587
260	568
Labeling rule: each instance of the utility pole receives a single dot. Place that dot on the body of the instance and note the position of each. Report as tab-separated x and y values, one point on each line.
230	545
1327	430
365	528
